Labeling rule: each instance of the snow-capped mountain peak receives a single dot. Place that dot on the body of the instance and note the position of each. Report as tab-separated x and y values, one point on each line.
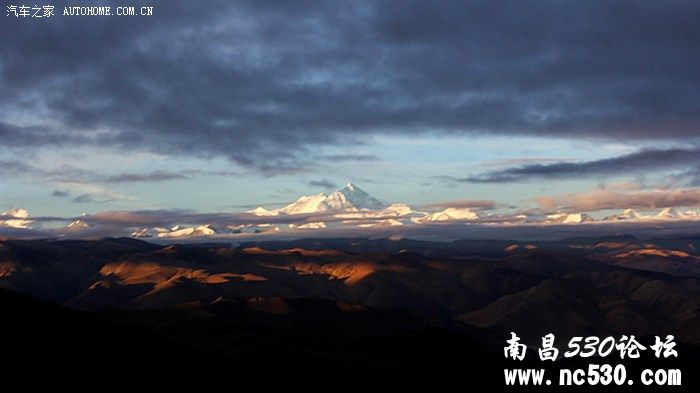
577	218
569	218
668	213
397	209
352	197
631	213
306	204
261	211
182	231
347	199
449	214
78	225
627	214
18	220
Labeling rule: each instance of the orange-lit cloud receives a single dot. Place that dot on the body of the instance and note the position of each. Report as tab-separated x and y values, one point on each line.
613	199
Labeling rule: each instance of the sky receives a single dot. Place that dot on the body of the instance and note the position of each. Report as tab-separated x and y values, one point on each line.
225	106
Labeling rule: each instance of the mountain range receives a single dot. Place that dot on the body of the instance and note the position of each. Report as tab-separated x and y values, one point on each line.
611	285
337	308
347	207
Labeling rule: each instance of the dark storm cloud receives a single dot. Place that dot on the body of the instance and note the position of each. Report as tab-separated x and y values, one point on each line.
266	83
350	157
71	174
84	198
323	183
60	193
155	176
642	161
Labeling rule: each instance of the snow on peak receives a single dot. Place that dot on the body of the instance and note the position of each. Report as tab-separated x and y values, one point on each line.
577	218
306	204
450	214
347	199
142	233
179	231
310	225
397	209
627	214
17	213
569	218
350	206
78	225
352	197
631	213
19	219
668	213
261	211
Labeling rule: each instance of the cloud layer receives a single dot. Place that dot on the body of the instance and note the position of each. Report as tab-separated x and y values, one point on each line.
266	83
71	174
479	204
604	199
639	162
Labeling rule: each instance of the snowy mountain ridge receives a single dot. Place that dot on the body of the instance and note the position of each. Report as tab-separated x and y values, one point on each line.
347	207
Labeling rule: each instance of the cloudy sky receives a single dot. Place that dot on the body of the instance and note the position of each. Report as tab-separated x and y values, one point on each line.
217	107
